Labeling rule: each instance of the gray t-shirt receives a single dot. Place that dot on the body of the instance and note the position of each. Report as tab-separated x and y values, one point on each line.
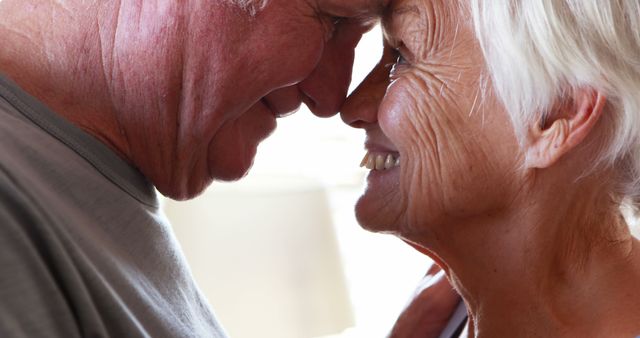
85	250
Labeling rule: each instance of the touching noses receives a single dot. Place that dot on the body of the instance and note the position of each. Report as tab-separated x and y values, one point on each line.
360	110
325	89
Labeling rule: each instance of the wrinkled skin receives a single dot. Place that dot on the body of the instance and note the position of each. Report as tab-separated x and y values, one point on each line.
429	110
183	90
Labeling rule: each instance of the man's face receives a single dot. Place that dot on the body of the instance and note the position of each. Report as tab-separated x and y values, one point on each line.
210	79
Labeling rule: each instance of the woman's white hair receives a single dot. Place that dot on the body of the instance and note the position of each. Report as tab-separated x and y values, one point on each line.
538	50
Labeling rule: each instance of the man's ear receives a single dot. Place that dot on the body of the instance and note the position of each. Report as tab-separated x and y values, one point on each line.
569	125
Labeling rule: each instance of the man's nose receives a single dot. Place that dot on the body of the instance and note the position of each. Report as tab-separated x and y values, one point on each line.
325	90
284	101
361	108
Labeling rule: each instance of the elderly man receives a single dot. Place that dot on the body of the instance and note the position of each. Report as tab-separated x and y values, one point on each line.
103	101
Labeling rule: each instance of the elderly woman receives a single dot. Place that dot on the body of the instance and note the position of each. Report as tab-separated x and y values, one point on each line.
503	141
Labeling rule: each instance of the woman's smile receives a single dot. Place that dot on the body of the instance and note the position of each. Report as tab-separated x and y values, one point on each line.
384	174
380	161
383	161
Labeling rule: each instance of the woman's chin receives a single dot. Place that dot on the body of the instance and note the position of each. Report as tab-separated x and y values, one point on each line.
379	207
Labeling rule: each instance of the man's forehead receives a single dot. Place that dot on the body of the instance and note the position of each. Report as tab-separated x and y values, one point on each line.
353	8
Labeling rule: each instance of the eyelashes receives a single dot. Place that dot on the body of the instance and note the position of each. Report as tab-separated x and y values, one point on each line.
401	60
401	64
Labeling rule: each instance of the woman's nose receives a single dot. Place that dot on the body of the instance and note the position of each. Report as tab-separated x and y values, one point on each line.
361	107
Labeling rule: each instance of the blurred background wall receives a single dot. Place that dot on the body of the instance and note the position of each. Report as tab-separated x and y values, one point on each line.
279	254
266	254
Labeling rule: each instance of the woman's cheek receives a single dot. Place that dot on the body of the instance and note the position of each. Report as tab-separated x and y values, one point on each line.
404	118
390	110
422	180
401	101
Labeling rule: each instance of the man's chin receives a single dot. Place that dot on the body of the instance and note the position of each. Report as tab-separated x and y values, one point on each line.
232	169
184	192
190	184
195	188
231	175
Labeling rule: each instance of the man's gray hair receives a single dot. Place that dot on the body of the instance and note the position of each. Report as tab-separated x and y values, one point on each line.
537	51
250	6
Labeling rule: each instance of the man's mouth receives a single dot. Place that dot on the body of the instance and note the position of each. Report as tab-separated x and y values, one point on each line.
276	113
380	161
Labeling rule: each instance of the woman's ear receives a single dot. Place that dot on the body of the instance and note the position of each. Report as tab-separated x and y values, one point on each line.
568	126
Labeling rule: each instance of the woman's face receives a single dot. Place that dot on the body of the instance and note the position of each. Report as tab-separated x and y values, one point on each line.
451	149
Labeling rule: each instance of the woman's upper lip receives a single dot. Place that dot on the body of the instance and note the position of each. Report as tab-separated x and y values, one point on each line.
377	146
377	141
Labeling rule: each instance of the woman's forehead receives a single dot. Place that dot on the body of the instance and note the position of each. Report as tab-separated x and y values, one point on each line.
401	14
418	16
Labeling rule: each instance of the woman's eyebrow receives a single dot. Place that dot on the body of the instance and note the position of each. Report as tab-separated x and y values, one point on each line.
392	14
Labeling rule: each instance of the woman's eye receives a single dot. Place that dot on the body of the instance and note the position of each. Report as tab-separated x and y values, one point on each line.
397	67
401	60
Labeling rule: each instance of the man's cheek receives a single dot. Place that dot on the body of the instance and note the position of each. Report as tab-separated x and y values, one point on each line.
290	66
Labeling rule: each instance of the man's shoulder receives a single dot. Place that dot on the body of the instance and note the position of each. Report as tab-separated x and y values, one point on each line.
13	173
24	146
27	284
41	167
38	273
31	300
26	163
42	183
20	214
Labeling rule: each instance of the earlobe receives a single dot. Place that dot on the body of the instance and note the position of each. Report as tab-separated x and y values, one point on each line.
570	125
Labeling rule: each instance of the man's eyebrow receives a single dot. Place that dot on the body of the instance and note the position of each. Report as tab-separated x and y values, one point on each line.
375	12
379	7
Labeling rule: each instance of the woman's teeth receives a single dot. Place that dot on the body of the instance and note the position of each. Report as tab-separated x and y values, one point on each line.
380	161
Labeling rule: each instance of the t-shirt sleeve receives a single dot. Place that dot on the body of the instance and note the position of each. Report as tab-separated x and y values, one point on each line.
33	298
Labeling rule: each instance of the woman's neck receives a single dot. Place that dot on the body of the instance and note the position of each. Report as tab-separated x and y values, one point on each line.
562	267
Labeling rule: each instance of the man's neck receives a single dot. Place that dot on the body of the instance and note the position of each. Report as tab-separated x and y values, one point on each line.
546	270
59	66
